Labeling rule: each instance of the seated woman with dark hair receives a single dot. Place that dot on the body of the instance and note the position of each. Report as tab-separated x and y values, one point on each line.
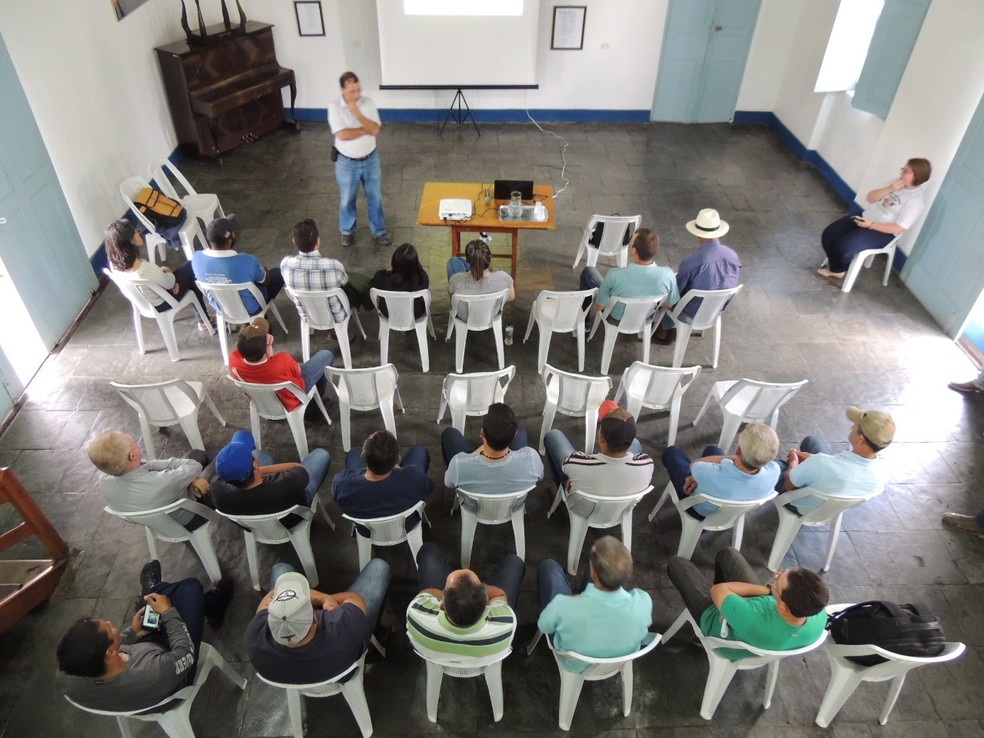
404	275
123	244
474	275
892	210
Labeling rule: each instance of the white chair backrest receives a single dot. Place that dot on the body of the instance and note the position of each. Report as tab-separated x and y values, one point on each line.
712	303
637	313
399	305
477	390
830	505
269	528
160	521
264	396
129	189
135	290
606	512
163	403
757	401
728	511
164	172
365	387
575	394
315	305
496	507
617	232
229	299
482	309
319	689
657	385
391	529
601	668
562	312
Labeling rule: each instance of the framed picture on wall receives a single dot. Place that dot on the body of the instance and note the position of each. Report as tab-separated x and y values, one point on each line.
568	27
310	21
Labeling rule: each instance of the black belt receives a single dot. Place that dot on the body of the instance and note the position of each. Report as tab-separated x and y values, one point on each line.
361	158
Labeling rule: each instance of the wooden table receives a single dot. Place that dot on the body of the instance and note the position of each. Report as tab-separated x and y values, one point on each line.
485	216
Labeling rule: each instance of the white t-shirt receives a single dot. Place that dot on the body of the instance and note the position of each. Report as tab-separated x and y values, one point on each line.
607	476
902	207
340	118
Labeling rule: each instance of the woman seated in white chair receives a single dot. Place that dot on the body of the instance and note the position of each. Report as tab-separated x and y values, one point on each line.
474	275
892	210
404	275
123	244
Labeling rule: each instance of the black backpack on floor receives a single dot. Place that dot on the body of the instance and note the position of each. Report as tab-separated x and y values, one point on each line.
910	630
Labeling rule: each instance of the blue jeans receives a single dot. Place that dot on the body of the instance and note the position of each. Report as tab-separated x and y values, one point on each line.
552	580
558	448
843	238
313	370
810	445
370	585
433	570
456	265
317	464
454	443
677	465
417	456
188	599
350	174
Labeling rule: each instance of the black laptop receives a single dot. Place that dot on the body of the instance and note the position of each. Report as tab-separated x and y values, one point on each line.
503	188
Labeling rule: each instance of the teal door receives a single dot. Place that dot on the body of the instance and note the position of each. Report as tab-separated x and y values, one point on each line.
42	256
945	270
702	63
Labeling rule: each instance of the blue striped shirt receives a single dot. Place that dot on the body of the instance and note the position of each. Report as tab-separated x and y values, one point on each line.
312	271
713	266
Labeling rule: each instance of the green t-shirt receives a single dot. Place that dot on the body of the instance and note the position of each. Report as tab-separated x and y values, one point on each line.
755	621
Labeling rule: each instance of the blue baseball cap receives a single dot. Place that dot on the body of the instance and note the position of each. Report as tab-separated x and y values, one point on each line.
235	461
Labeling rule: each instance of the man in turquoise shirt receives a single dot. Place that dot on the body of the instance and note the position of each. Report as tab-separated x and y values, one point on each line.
605	620
643	277
783	615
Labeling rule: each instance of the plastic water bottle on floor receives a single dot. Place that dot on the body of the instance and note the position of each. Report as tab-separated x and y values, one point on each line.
508	339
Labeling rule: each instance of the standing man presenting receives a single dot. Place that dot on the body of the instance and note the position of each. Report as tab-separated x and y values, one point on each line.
355	122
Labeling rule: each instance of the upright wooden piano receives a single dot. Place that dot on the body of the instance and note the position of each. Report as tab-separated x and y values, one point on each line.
226	91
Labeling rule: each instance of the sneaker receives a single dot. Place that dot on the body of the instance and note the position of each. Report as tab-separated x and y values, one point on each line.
347	239
964	523
217	601
967	388
383	240
150	576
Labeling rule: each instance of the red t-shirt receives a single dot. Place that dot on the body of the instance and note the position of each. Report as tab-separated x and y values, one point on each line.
280	367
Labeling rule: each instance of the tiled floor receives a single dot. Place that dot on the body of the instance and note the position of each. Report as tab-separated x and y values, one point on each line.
875	347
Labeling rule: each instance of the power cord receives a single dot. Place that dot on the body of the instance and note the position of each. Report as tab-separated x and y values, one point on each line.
563	153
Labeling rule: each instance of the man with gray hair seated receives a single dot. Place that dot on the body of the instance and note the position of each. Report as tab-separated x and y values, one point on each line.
750	474
132	484
605	620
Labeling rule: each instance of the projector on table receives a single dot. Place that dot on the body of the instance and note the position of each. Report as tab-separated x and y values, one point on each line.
455	209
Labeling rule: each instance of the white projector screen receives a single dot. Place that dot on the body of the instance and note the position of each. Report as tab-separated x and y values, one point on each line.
463	43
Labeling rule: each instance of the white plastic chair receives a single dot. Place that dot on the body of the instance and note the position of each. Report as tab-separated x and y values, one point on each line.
597	669
866	258
615	238
722	670
315	312
560	312
399	306
348	684
189	231
231	311
575	395
158	524
484	312
202	206
492	509
176	720
845	675
637	319
271	530
390	531
365	389
593	511
131	289
461	667
264	403
657	388
472	394
167	403
730	514
707	317
830	512
748	401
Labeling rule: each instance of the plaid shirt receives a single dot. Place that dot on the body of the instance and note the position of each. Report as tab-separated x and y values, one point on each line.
312	271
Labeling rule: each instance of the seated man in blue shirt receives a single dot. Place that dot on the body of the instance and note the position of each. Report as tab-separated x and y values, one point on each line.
604	620
750	474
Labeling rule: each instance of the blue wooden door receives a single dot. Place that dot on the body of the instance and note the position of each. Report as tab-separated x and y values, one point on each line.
705	47
945	270
40	247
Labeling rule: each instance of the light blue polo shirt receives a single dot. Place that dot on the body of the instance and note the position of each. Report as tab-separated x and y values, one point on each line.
845	475
727	481
638	280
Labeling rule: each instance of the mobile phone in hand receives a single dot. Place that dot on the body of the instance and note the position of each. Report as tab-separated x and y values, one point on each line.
151	620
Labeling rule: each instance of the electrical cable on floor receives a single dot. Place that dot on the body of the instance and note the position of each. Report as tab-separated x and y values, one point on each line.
563	153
